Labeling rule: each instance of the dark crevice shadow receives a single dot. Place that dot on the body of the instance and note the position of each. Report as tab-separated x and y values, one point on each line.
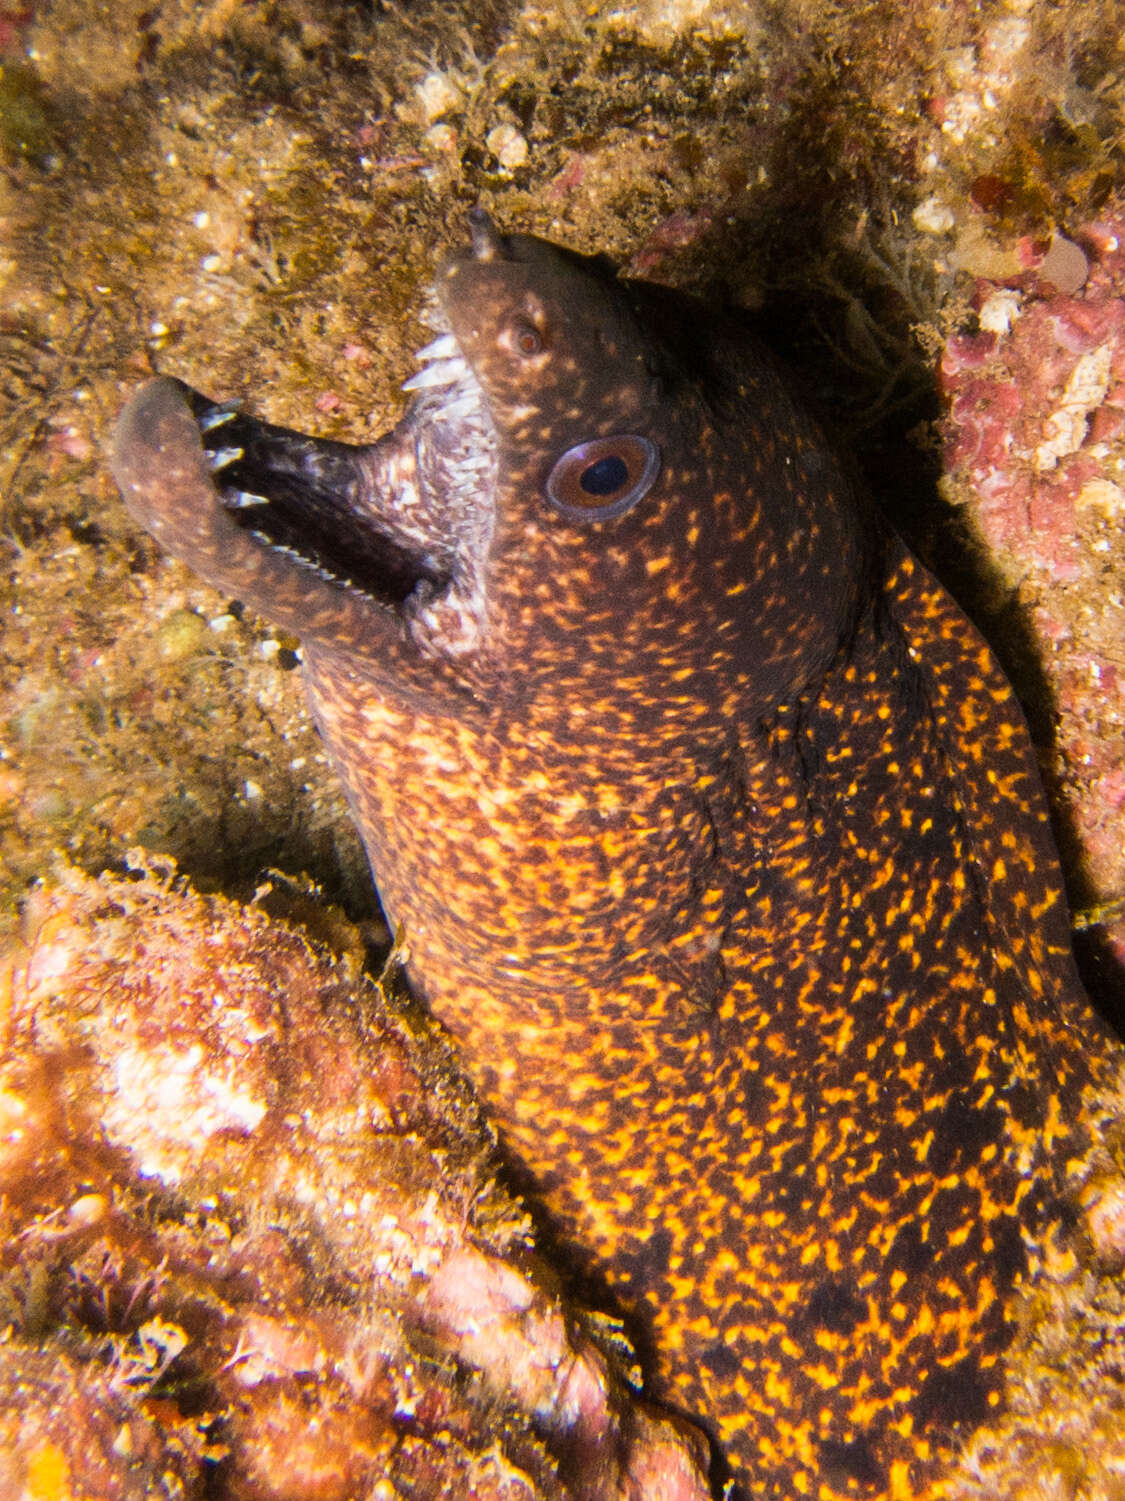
847	295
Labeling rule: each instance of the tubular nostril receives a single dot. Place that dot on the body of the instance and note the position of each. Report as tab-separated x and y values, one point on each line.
487	241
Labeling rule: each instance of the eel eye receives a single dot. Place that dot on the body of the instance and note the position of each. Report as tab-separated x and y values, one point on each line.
524	338
603	478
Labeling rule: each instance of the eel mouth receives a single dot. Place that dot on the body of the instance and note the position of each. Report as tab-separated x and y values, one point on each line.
403	520
297	495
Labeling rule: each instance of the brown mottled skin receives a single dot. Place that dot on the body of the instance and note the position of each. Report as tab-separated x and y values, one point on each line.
717	839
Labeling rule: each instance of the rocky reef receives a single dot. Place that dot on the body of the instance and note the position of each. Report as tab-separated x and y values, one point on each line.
1036	456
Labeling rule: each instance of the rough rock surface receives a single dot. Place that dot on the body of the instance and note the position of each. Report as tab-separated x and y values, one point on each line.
253	1246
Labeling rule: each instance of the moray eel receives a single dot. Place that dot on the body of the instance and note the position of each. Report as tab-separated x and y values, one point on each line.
716	835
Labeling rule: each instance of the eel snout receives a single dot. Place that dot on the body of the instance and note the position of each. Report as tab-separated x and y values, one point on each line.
163	474
165	478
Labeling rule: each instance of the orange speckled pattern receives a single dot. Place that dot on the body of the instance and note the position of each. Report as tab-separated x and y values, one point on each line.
717	839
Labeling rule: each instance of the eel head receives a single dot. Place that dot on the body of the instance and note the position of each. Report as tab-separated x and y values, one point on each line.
598	487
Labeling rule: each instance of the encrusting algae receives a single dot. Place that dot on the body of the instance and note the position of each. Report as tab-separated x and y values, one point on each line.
716	834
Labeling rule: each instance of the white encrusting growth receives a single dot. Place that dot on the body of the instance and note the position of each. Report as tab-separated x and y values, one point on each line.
450	491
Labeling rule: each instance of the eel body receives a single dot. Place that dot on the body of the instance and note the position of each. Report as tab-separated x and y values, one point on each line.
715	831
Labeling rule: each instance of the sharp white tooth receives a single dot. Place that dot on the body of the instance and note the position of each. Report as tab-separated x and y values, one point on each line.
217	416
243	500
434	316
444	373
440	348
220	457
461	407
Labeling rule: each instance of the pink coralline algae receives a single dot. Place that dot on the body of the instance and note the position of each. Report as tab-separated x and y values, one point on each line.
1036	455
251	1244
1035	411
